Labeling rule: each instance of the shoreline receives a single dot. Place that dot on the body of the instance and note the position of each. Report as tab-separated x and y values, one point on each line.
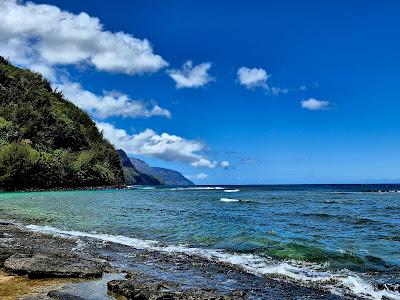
108	267
67	189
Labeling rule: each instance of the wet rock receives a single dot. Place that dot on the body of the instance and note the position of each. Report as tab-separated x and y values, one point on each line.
61	295
394	287
149	290
5	223
47	266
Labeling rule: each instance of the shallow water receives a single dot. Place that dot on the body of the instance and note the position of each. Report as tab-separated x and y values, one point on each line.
338	236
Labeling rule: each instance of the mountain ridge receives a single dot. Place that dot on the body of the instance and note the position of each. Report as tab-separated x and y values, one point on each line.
132	175
168	176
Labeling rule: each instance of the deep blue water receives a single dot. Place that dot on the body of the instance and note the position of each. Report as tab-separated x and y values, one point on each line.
349	234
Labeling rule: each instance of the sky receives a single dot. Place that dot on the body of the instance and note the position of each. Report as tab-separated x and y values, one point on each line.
227	92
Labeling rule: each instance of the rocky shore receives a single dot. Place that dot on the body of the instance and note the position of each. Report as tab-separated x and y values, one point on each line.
61	267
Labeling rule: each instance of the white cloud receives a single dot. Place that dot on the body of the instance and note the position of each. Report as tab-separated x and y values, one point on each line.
191	76
45	35
199	176
252	78
43	38
225	164
163	146
314	104
257	77
109	103
276	90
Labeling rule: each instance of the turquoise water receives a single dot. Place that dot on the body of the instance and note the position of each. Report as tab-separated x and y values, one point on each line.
309	233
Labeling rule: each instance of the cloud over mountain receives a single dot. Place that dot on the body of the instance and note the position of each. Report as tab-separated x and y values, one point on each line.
164	146
109	103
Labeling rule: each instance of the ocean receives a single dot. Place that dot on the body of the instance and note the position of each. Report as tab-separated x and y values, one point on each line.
341	238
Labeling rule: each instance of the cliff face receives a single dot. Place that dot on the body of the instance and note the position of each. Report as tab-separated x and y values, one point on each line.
133	176
46	141
169	177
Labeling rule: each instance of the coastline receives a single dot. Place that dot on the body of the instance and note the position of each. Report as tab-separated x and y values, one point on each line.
58	267
59	189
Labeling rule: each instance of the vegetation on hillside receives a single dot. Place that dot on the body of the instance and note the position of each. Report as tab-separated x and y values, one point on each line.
133	176
46	141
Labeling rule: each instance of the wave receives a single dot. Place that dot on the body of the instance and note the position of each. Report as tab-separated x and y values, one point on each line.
140	187
197	188
119	239
386	192
342	282
230	200
232	191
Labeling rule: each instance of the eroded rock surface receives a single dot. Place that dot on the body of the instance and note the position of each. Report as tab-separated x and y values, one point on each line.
49	266
141	287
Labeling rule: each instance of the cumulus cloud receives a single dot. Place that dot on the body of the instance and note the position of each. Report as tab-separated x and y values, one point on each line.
191	76
225	164
44	35
163	146
109	103
199	176
44	38
252	78
314	104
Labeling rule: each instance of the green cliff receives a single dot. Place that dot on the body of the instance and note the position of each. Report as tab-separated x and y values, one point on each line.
133	176
46	141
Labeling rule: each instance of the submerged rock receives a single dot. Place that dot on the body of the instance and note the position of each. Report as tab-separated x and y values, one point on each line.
46	266
61	295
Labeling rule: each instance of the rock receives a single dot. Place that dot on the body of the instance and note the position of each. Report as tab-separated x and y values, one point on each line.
5	223
47	266
4	254
394	287
61	295
150	290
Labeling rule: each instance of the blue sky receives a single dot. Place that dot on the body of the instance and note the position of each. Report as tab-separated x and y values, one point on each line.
340	57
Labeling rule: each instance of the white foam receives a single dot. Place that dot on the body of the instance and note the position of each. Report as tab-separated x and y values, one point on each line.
197	188
118	239
232	191
229	200
343	282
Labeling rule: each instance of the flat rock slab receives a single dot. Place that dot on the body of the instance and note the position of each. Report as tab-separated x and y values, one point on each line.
47	266
150	289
